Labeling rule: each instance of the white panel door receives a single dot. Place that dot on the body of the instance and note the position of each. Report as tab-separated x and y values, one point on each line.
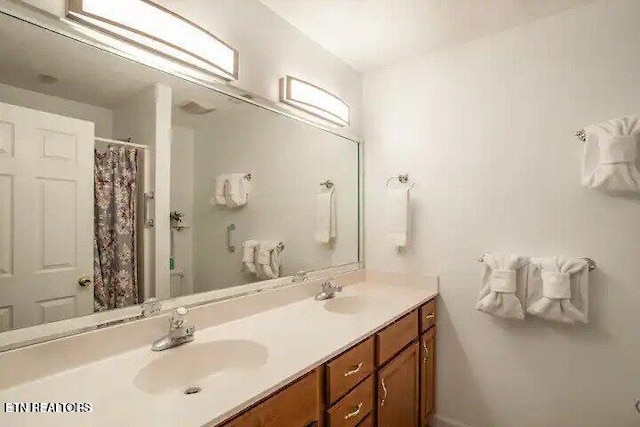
46	217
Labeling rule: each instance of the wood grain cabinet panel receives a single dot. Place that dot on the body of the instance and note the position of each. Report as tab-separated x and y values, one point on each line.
398	390
396	336
427	376
348	369
296	405
367	422
428	315
354	407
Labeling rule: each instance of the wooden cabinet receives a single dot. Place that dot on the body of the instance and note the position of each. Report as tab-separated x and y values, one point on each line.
427	376
386	380
296	405
398	390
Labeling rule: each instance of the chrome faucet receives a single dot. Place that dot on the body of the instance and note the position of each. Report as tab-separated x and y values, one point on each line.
328	290
178	334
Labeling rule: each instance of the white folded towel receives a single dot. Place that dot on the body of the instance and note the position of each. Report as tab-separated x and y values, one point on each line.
325	216
398	216
504	282
249	255
237	190
220	191
558	289
268	260
610	160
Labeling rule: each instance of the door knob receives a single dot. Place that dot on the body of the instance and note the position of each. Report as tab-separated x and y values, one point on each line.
84	281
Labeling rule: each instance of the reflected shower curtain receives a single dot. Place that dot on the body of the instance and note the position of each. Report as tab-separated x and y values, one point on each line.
114	243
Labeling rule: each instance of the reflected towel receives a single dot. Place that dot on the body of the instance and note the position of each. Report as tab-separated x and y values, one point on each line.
249	255
398	212
237	190
220	191
504	282
558	289
325	217
610	160
268	260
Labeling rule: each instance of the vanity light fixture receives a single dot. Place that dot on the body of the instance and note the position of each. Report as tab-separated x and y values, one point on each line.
159	30
314	100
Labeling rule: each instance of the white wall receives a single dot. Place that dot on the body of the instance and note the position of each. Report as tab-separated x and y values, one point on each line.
146	118
288	160
182	169
486	132
269	48
101	117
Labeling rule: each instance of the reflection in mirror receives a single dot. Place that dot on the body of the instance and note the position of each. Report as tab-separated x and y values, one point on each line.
119	183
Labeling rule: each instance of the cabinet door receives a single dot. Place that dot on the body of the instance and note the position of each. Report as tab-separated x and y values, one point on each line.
398	390
427	376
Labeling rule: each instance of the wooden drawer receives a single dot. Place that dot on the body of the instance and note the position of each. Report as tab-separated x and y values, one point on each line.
348	369
396	336
352	409
428	315
296	405
367	422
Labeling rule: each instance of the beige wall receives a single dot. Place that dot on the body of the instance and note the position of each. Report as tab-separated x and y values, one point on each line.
486	132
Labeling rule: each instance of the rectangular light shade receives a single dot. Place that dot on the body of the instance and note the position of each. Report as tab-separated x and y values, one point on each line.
314	100
157	29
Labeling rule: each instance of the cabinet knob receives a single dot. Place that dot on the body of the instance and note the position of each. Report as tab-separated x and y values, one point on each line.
84	281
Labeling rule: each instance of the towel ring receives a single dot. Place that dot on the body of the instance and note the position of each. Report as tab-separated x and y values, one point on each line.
402	178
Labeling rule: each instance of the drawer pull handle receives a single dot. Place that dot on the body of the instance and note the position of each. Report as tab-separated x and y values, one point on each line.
430	316
354	413
353	370
386	392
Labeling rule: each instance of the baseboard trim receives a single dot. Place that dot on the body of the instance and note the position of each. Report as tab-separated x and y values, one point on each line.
442	421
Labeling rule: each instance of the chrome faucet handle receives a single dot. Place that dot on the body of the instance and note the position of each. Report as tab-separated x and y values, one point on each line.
177	319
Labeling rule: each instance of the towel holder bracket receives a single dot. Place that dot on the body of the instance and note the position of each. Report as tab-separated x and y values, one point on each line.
327	184
591	264
581	134
403	178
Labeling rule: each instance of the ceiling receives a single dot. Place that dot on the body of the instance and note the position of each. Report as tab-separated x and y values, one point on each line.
370	34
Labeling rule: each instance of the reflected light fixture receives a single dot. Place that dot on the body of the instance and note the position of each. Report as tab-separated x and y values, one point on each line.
313	100
160	31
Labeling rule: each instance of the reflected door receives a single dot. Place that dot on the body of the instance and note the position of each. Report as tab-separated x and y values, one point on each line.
46	217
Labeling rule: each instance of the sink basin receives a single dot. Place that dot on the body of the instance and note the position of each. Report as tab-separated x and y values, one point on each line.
184	366
349	304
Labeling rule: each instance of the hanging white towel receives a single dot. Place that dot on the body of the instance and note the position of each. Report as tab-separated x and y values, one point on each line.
268	259
504	280
249	255
220	191
610	160
237	190
325	217
398	213
558	289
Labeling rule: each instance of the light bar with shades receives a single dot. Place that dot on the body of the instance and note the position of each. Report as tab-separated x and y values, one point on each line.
313	100
159	30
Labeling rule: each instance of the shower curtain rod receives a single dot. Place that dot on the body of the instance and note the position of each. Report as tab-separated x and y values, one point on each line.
125	143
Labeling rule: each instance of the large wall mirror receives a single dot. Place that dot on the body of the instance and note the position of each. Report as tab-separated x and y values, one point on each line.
120	183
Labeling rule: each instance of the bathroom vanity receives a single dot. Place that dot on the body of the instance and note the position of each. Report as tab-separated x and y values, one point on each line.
387	379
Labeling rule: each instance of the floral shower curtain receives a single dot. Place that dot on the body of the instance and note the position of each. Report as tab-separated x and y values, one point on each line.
114	243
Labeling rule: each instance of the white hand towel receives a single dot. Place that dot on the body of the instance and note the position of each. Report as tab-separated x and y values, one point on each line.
610	160
237	190
398	215
249	255
558	289
220	192
268	260
325	217
504	281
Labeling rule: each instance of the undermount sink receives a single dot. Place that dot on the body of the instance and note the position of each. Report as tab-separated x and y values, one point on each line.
184	366
349	304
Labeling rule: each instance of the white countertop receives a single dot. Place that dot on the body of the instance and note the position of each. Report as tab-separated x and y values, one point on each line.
284	343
